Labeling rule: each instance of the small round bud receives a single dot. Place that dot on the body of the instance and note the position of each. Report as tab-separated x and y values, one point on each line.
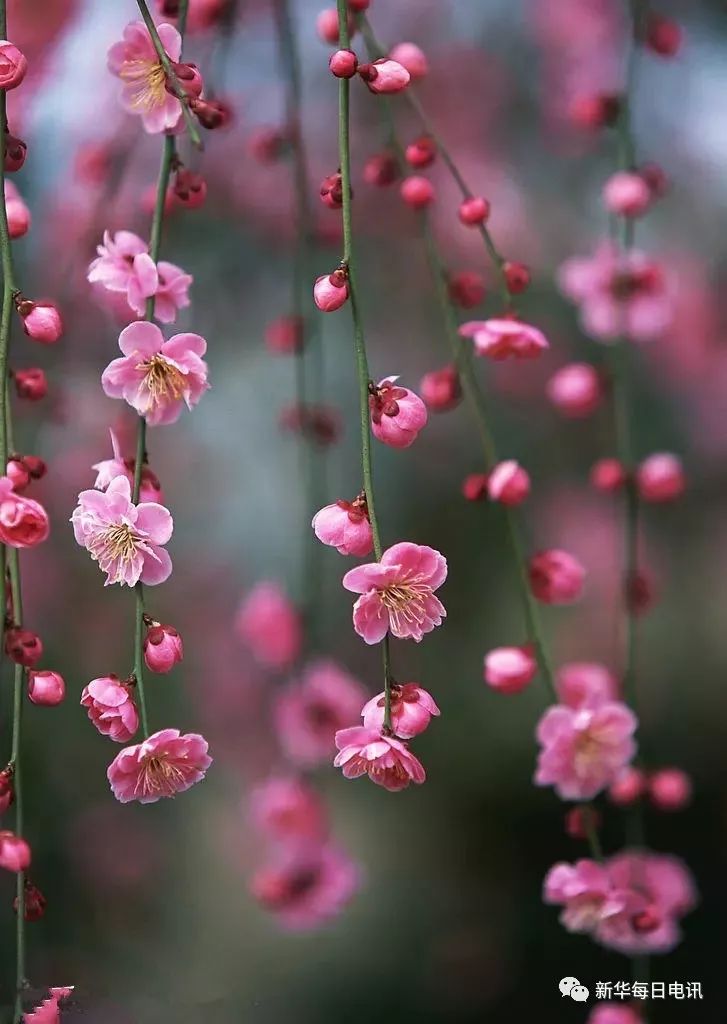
285	335
35	466
608	475
474	211
18	214
575	390
190	189
46	688
384	76
441	389
327	26
417	192
41	321
466	288
663	36
23	646
211	114
15	153
31	384
332	191
343	63
670	789
508	483
413	58
627	194
14	852
510	669
474	486
381	170
163	648
330	291
627	788
580	820
556	577
13	66
190	79
660	478
421	152
593	112
517	277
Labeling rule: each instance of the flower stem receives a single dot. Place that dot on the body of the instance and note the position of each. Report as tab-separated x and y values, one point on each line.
362	368
19	682
169	70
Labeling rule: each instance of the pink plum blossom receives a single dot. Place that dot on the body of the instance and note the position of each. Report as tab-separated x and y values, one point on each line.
269	624
585	684
123	265
556	577
172	292
306	887
590	900
397	593
584	749
166	763
508	483
397	414
288	810
309	711
510	669
156	377
23	522
14	852
345	526
144	81
619	294
111	708
386	760
125	539
412	709
108	469
505	338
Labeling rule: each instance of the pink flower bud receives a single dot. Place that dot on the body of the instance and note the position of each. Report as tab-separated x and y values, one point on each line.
381	170
608	475
332	191
23	521
627	194
327	26
575	390
18	473
358	5
627	787
31	384
17	212
441	389
397	414
190	189
412	58
466	288
330	291
15	153
474	486
7	789
14	852
343	63
163	648
596	111
556	577
284	336
508	483
660	477
517	277
421	152
670	789
384	75
13	66
345	526
211	114
663	36
46	688
412	709
41	321
35	904
417	192
474	211
510	669
579	820
35	466
190	79
23	646
111	708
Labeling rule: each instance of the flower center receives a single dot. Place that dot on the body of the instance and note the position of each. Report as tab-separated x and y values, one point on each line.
161	380
159	777
114	549
147	83
588	751
406	601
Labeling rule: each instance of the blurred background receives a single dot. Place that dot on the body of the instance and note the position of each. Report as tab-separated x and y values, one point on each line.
149	908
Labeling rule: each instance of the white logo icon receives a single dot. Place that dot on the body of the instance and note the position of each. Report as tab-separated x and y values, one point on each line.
573	988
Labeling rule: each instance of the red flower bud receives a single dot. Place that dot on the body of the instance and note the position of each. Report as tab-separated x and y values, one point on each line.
7	790
343	63
162	648
41	321
15	151
46	688
23	646
31	384
35	903
190	189
190	79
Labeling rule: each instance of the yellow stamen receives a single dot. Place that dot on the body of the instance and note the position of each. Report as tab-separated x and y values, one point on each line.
148	81
162	380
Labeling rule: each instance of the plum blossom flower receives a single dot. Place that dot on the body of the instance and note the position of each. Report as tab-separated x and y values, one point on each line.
397	593
108	469
309	712
111	708
412	709
505	338
618	294
270	625
397	414
305	887
585	684
345	526
287	809
166	763
156	377
124	265
14	852
144	82
588	896
23	521
386	760
172	292
556	577
584	749
125	539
